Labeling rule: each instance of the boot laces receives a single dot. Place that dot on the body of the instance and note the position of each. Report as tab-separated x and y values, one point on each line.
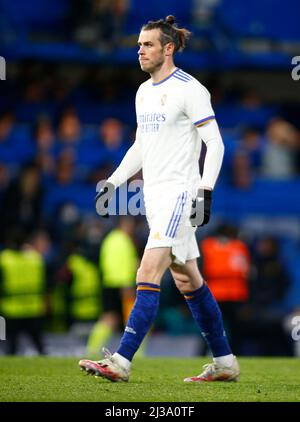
107	357
209	369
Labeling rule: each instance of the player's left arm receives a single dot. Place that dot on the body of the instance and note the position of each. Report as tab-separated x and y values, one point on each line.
210	134
199	109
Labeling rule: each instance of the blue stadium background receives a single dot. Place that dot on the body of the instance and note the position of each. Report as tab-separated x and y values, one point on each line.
72	75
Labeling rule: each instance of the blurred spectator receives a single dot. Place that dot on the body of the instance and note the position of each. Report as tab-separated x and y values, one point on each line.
262	318
250	99
66	151
90	233
278	160
76	295
64	222
203	11
4	179
22	201
242	173
118	265
69	128
14	148
247	157
271	281
23	289
7	120
34	91
251	142
112	132
111	147
112	135
100	23
226	269
82	299
44	137
65	168
207	34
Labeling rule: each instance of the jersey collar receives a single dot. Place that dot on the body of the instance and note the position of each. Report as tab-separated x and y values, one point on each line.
165	79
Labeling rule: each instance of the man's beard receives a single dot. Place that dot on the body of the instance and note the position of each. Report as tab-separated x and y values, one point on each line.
152	68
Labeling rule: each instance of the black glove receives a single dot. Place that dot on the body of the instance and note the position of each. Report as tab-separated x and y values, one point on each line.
201	205
102	198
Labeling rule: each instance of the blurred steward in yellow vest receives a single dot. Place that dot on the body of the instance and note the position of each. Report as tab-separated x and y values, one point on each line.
84	292
23	291
118	262
77	289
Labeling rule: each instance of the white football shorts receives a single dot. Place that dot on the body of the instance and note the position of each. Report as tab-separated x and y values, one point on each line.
170	226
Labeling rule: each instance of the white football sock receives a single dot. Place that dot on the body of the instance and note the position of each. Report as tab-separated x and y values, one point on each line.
125	363
226	360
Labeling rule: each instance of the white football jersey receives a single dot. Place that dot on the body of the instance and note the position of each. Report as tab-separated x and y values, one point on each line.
168	113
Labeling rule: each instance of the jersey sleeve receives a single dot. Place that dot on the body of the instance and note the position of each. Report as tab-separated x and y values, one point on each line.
131	163
210	134
129	166
197	104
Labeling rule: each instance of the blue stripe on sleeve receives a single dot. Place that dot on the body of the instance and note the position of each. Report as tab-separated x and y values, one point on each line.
203	120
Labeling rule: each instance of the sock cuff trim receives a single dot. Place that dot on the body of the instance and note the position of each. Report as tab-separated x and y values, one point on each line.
188	297
191	295
148	286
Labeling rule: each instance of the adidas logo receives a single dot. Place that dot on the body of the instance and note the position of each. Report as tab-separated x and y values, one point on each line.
130	330
156	236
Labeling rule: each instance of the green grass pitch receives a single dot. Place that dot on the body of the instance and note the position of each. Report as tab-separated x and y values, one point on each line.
40	379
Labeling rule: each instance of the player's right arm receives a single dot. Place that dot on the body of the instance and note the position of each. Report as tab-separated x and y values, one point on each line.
130	165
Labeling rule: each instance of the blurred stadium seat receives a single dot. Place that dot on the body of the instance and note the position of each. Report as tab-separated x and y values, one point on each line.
268	19
138	15
34	15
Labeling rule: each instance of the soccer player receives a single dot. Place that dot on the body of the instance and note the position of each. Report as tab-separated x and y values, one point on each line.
174	116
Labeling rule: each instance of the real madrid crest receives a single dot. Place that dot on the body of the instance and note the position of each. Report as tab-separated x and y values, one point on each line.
163	99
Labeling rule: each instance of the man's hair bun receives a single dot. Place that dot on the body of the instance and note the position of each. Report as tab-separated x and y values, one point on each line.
170	19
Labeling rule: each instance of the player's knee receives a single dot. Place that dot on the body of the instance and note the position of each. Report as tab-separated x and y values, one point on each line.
182	278
147	272
183	284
